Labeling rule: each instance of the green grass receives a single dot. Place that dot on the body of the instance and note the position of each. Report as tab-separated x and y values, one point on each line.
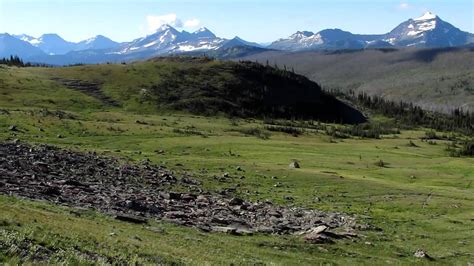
422	198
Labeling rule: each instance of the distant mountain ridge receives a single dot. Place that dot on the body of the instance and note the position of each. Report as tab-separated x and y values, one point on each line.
98	42
52	49
11	45
426	31
53	44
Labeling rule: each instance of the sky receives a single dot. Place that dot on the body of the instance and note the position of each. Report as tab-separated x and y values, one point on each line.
254	20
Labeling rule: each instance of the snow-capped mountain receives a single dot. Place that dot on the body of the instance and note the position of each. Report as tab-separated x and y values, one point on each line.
203	33
10	45
24	37
325	39
426	31
53	44
161	39
200	40
98	42
50	43
299	41
168	40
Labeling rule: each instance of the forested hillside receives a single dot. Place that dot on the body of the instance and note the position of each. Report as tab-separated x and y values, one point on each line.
434	79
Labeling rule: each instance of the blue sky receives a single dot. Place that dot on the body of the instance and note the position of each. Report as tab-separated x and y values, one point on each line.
254	20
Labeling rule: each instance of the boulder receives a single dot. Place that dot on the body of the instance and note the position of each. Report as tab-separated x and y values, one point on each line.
52	191
224	229
131	219
235	201
422	255
317	235
231	230
170	195
318	230
294	165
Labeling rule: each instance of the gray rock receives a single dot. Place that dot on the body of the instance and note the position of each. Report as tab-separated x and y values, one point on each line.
235	201
422	255
265	229
318	238
318	230
52	191
294	164
224	229
88	180
170	195
131	219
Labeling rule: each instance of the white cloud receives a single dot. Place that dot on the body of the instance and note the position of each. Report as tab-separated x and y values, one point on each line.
154	22
404	6
192	23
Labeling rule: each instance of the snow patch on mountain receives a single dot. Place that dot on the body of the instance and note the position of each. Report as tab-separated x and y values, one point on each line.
426	16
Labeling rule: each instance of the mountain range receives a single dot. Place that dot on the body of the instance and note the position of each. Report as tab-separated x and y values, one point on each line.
53	44
426	31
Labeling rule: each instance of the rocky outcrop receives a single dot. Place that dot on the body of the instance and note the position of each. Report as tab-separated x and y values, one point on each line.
135	192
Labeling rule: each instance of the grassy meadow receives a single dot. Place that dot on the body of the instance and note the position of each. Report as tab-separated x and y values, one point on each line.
420	198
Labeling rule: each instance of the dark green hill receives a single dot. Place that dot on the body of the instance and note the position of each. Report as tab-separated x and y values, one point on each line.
194	84
247	89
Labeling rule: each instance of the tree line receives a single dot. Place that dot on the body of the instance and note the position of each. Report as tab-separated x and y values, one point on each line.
14	60
409	115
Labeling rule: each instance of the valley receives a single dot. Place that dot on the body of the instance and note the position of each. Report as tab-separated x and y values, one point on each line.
266	132
439	79
412	200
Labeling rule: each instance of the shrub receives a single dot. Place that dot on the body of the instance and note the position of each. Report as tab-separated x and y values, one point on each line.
412	144
466	150
430	135
255	131
189	132
381	163
295	132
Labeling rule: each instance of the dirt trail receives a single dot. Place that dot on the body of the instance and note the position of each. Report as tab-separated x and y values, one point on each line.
89	88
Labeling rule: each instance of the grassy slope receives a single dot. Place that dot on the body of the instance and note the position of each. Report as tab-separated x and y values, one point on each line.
440	81
208	87
432	211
